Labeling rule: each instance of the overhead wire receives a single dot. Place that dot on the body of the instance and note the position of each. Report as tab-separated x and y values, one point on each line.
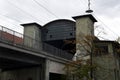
24	11
11	18
83	2
16	20
106	26
83	6
104	23
54	14
46	13
8	20
45	8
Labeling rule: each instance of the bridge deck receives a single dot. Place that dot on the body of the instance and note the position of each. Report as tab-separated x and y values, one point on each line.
14	53
14	38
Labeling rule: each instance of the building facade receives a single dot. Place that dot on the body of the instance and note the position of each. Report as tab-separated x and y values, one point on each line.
42	52
106	57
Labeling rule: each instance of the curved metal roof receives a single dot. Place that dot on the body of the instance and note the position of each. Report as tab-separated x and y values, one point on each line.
58	20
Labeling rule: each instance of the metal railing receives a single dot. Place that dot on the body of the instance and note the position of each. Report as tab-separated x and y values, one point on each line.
18	39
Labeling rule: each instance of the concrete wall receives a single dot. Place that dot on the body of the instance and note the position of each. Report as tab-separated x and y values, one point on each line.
34	32
29	31
105	68
56	67
84	28
22	74
106	65
53	67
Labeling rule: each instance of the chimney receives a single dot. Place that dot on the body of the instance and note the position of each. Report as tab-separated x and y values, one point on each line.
84	28
32	38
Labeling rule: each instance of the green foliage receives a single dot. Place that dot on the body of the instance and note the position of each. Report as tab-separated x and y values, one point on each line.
80	69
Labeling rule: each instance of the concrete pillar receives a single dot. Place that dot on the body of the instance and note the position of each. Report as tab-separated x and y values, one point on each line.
47	69
0	73
84	28
32	32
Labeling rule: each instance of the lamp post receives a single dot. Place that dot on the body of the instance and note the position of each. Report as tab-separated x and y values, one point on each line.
89	10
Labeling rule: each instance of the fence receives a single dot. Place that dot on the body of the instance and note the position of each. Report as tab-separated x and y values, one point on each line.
18	39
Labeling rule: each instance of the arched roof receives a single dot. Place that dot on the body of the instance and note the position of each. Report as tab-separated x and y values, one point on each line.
59	20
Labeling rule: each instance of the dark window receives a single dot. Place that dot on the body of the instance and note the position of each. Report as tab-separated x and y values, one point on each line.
118	75
46	30
101	50
115	73
51	36
75	28
55	76
71	34
30	78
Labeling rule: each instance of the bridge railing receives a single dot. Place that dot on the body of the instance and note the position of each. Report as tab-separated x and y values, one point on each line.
18	39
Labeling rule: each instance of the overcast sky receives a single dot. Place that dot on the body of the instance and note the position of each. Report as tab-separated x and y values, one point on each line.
16	12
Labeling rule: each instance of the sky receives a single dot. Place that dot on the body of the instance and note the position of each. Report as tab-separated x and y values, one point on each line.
16	12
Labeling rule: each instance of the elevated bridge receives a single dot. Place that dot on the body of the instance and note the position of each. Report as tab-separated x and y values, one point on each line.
18	57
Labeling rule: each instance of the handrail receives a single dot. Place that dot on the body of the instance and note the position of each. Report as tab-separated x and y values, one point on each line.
16	38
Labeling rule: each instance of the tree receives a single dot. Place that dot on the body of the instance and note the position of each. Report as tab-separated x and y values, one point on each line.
82	68
85	66
78	70
106	58
100	65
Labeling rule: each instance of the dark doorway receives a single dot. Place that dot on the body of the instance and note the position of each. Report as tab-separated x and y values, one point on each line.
55	76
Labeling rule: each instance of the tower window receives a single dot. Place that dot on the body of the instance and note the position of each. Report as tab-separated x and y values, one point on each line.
51	36
101	50
71	34
46	30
